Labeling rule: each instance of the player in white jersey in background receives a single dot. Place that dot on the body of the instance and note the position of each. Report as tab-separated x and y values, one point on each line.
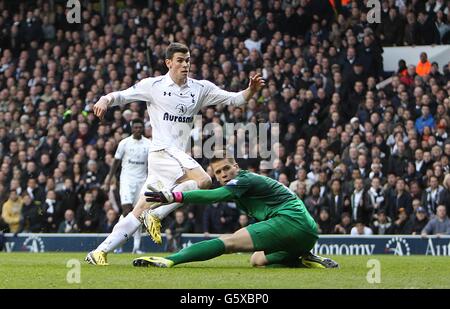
172	102
132	154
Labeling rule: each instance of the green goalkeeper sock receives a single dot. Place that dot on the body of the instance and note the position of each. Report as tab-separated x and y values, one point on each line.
201	251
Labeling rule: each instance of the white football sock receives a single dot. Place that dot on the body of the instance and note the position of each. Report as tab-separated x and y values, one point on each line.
163	211
137	240
119	249
121	232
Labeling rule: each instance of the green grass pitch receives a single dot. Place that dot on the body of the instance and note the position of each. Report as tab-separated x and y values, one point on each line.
50	270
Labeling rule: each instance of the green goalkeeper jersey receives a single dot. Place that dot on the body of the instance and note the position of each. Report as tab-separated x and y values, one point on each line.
258	196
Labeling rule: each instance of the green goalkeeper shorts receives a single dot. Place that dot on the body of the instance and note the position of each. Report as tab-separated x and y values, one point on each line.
293	235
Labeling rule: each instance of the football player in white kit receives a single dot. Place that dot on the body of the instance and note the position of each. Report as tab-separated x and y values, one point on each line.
172	102
132	154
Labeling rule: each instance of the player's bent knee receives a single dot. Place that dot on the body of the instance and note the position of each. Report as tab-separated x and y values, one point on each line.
229	242
190	185
233	243
205	182
258	259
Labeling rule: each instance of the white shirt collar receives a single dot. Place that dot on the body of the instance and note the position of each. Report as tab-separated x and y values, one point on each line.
168	82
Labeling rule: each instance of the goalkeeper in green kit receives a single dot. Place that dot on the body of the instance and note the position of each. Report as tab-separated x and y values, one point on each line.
284	234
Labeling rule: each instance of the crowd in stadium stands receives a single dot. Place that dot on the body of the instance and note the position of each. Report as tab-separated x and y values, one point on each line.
364	160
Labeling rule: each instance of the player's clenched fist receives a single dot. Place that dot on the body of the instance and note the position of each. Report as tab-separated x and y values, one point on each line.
100	107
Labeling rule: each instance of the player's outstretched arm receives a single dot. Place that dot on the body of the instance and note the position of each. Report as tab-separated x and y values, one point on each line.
139	92
194	196
215	95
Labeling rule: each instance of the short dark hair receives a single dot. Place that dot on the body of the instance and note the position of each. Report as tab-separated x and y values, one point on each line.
335	180
345	214
137	120
176	48
220	155
326	209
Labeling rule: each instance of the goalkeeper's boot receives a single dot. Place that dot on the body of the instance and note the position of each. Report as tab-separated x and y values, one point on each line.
314	261
97	258
153	226
145	261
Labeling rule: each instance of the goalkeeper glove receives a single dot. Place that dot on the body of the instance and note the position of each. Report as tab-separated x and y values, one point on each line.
164	196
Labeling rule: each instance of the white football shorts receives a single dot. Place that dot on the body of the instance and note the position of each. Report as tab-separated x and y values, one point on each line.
129	191
167	166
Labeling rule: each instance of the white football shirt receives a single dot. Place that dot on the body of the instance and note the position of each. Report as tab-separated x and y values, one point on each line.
134	156
172	108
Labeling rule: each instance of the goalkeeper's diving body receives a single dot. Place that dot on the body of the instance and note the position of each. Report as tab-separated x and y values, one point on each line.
284	235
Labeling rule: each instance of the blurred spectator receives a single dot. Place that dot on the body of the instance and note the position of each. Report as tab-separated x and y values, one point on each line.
425	121
325	226
218	218
52	212
93	177
439	225
360	229
402	68
419	221
427	32
400	200
408	78
335	201
423	67
32	217
382	224
411	30
34	191
11	211
300	190
416	203
431	196
402	225
314	202
345	225
376	196
360	204
301	177
88	215
242	222
444	197
68	196
180	225
108	223
253	43
411	174
69	224
398	161
391	29
171	244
